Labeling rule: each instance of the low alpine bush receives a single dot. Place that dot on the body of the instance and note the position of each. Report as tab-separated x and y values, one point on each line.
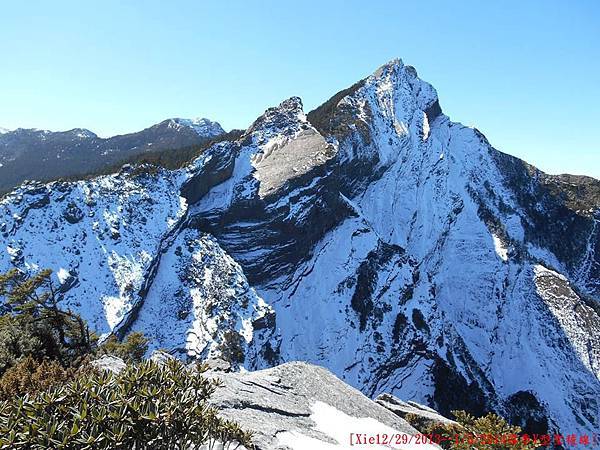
146	406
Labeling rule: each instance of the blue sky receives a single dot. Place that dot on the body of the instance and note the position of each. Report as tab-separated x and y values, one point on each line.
527	74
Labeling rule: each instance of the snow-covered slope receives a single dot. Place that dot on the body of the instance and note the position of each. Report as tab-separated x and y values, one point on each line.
100	237
202	290
372	236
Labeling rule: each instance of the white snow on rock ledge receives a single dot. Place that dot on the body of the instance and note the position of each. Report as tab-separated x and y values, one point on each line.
340	427
501	251
300	406
202	126
576	318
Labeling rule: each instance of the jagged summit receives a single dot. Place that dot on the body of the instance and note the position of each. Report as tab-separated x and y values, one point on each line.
285	118
393	66
395	75
292	104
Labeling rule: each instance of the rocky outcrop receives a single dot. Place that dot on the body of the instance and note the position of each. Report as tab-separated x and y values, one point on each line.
424	415
217	169
281	197
109	363
200	305
299	406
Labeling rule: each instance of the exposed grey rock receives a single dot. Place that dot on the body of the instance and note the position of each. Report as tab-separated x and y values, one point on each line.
279	402
161	357
73	213
425	414
288	159
218	365
111	363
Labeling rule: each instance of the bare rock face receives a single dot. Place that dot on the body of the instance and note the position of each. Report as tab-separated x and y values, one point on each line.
161	357
217	365
109	363
427	416
299	406
284	160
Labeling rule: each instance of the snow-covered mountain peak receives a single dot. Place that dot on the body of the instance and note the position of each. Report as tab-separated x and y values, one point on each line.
292	104
393	101
391	67
285	119
372	235
400	91
4	130
82	133
204	127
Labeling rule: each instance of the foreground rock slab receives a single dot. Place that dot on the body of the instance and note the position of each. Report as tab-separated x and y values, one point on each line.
300	406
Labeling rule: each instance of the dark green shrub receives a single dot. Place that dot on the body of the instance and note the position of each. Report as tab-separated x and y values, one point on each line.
489	432
132	349
146	406
33	324
21	336
232	347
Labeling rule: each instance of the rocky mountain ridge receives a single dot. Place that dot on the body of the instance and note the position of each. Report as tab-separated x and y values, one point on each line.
32	154
372	236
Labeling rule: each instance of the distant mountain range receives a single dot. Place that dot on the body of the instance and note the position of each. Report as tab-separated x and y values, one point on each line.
31	154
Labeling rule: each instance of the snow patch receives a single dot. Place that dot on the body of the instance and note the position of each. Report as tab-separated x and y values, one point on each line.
426	127
114	310
63	275
501	251
203	127
338	426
